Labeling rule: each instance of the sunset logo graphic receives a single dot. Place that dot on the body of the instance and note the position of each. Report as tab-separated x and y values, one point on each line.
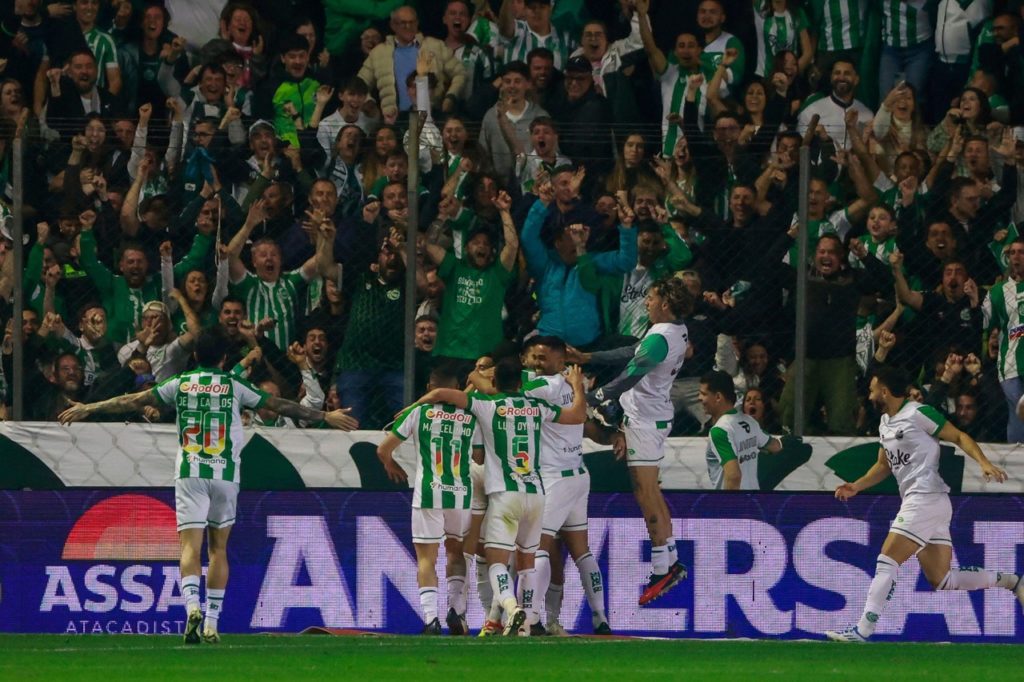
129	527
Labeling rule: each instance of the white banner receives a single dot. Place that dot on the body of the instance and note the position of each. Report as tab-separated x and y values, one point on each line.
140	455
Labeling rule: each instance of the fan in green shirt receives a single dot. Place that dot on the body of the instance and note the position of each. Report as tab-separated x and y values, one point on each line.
475	289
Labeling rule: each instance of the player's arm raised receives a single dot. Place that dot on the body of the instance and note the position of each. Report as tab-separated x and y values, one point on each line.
990	471
878	472
337	419
577	412
129	402
453	396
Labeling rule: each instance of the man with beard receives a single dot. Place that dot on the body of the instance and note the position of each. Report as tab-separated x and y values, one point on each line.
229	318
950	316
125	295
474	293
155	339
57	392
77	94
831	110
543	77
370	361
1002	311
833	291
95	352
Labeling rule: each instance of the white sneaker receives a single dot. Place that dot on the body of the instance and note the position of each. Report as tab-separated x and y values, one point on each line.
556	630
195	619
850	634
516	619
211	636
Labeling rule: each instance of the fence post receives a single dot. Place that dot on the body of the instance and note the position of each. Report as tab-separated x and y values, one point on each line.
800	356
411	232
18	230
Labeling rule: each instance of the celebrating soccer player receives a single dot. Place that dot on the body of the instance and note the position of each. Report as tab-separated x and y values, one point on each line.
511	426
909	434
209	401
443	438
643	391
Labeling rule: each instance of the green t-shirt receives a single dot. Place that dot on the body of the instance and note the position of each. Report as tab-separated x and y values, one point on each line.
471	312
375	336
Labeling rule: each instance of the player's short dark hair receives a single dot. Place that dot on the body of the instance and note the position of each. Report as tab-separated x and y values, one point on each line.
210	347
445	375
508	375
673	290
893	378
553	342
718	381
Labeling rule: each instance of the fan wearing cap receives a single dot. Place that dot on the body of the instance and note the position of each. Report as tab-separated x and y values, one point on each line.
533	31
580	109
514	105
155	339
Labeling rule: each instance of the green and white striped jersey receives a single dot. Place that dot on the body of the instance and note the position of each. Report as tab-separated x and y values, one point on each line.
443	436
280	301
712	55
879	250
838	24
524	40
905	23
104	50
837	222
209	404
910	439
673	95
511	426
776	32
737	437
1003	308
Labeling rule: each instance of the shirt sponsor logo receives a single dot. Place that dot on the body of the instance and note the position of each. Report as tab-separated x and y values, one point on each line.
518	411
459	417
215	389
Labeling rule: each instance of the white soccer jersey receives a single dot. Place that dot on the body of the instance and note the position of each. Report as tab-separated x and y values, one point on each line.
910	440
648	401
561	445
739	437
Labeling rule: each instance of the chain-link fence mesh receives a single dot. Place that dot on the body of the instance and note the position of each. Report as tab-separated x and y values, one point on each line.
233	201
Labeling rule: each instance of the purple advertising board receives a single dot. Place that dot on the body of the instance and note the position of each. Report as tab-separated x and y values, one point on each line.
761	565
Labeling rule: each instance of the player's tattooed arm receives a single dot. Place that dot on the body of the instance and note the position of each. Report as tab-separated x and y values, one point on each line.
122	403
287	408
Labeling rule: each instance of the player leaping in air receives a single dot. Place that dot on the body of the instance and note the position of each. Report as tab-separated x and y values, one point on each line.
643	391
909	434
207	467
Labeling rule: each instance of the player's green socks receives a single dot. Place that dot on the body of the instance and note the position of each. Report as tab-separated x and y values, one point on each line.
428	604
879	593
214	606
190	590
501	584
593	585
457	593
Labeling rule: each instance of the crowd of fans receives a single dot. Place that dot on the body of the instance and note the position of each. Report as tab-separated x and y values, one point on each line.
190	163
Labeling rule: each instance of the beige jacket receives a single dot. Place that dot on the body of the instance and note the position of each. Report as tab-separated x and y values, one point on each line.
378	71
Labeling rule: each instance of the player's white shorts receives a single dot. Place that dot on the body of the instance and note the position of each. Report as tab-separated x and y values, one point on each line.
431	526
202	502
479	502
513	521
924	518
645	442
565	502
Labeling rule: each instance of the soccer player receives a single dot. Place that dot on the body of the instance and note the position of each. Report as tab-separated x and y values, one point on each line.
510	426
735	439
642	390
566	482
209	401
909	434
443	438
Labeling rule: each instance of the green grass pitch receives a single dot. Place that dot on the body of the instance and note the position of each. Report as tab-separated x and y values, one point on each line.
255	658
